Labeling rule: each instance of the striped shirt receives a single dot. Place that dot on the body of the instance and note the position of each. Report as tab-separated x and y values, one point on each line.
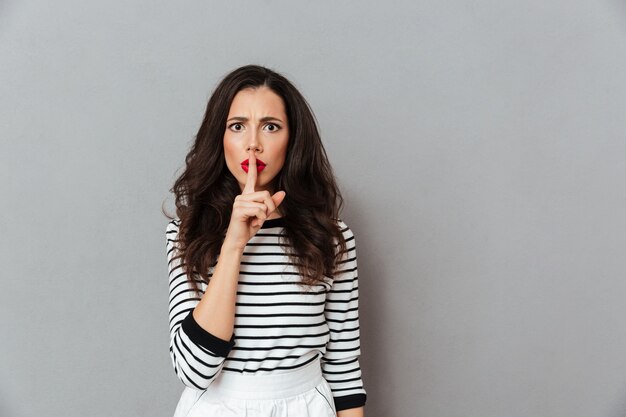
279	324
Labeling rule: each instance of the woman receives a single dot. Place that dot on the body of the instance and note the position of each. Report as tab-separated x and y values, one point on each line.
263	301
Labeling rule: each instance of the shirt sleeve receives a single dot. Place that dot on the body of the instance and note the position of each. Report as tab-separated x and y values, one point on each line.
197	355
340	362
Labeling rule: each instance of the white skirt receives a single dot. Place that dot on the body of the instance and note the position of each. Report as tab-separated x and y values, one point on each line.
302	392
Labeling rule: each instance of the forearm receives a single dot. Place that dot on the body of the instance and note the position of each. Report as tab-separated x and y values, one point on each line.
215	312
352	412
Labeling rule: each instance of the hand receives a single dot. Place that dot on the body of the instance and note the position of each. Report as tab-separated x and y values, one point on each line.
250	209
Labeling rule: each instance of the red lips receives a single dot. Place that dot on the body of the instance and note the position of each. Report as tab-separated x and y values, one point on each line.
260	165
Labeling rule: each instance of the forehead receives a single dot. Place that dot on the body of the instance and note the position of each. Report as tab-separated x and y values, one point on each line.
257	100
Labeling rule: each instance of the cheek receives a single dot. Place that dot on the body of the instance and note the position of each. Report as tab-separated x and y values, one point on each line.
281	149
229	151
230	157
284	152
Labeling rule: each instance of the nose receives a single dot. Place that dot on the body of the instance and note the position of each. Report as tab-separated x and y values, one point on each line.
256	148
254	144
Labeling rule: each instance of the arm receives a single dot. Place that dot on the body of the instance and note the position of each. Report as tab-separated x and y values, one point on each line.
201	341
198	349
352	412
216	310
340	363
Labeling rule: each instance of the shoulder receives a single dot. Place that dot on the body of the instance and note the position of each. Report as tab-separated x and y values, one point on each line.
347	233
171	230
172	225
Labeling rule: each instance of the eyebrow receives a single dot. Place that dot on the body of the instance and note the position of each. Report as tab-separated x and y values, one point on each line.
263	119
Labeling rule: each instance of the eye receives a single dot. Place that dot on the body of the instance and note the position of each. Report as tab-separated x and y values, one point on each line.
271	127
237	127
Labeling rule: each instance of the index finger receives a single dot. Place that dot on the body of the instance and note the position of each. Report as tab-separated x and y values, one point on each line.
252	173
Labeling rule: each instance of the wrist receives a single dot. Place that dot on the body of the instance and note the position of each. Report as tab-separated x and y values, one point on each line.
231	249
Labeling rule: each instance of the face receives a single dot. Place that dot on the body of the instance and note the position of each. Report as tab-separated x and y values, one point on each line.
256	120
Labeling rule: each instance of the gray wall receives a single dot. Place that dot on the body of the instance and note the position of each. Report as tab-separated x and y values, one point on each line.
480	146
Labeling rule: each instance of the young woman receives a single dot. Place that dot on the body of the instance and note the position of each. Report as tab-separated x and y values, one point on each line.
263	283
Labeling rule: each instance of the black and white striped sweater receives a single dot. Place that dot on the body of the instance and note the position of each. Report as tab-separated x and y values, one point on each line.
279	325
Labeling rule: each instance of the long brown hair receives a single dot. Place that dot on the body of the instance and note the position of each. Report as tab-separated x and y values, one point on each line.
206	189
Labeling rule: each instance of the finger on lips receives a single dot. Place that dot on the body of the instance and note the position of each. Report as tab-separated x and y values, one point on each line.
249	188
252	174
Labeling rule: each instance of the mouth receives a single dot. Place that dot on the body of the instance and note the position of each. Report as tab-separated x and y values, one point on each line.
260	165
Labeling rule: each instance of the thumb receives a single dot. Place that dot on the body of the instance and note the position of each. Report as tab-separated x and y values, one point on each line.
278	197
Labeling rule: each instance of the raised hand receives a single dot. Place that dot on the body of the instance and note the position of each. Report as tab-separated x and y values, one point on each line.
250	209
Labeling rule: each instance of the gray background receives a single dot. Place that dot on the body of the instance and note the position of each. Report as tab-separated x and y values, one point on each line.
479	145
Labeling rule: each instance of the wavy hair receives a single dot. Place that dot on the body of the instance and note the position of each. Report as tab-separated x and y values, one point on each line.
206	190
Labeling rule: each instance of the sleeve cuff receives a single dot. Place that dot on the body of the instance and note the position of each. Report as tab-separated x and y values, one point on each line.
205	339
349	401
